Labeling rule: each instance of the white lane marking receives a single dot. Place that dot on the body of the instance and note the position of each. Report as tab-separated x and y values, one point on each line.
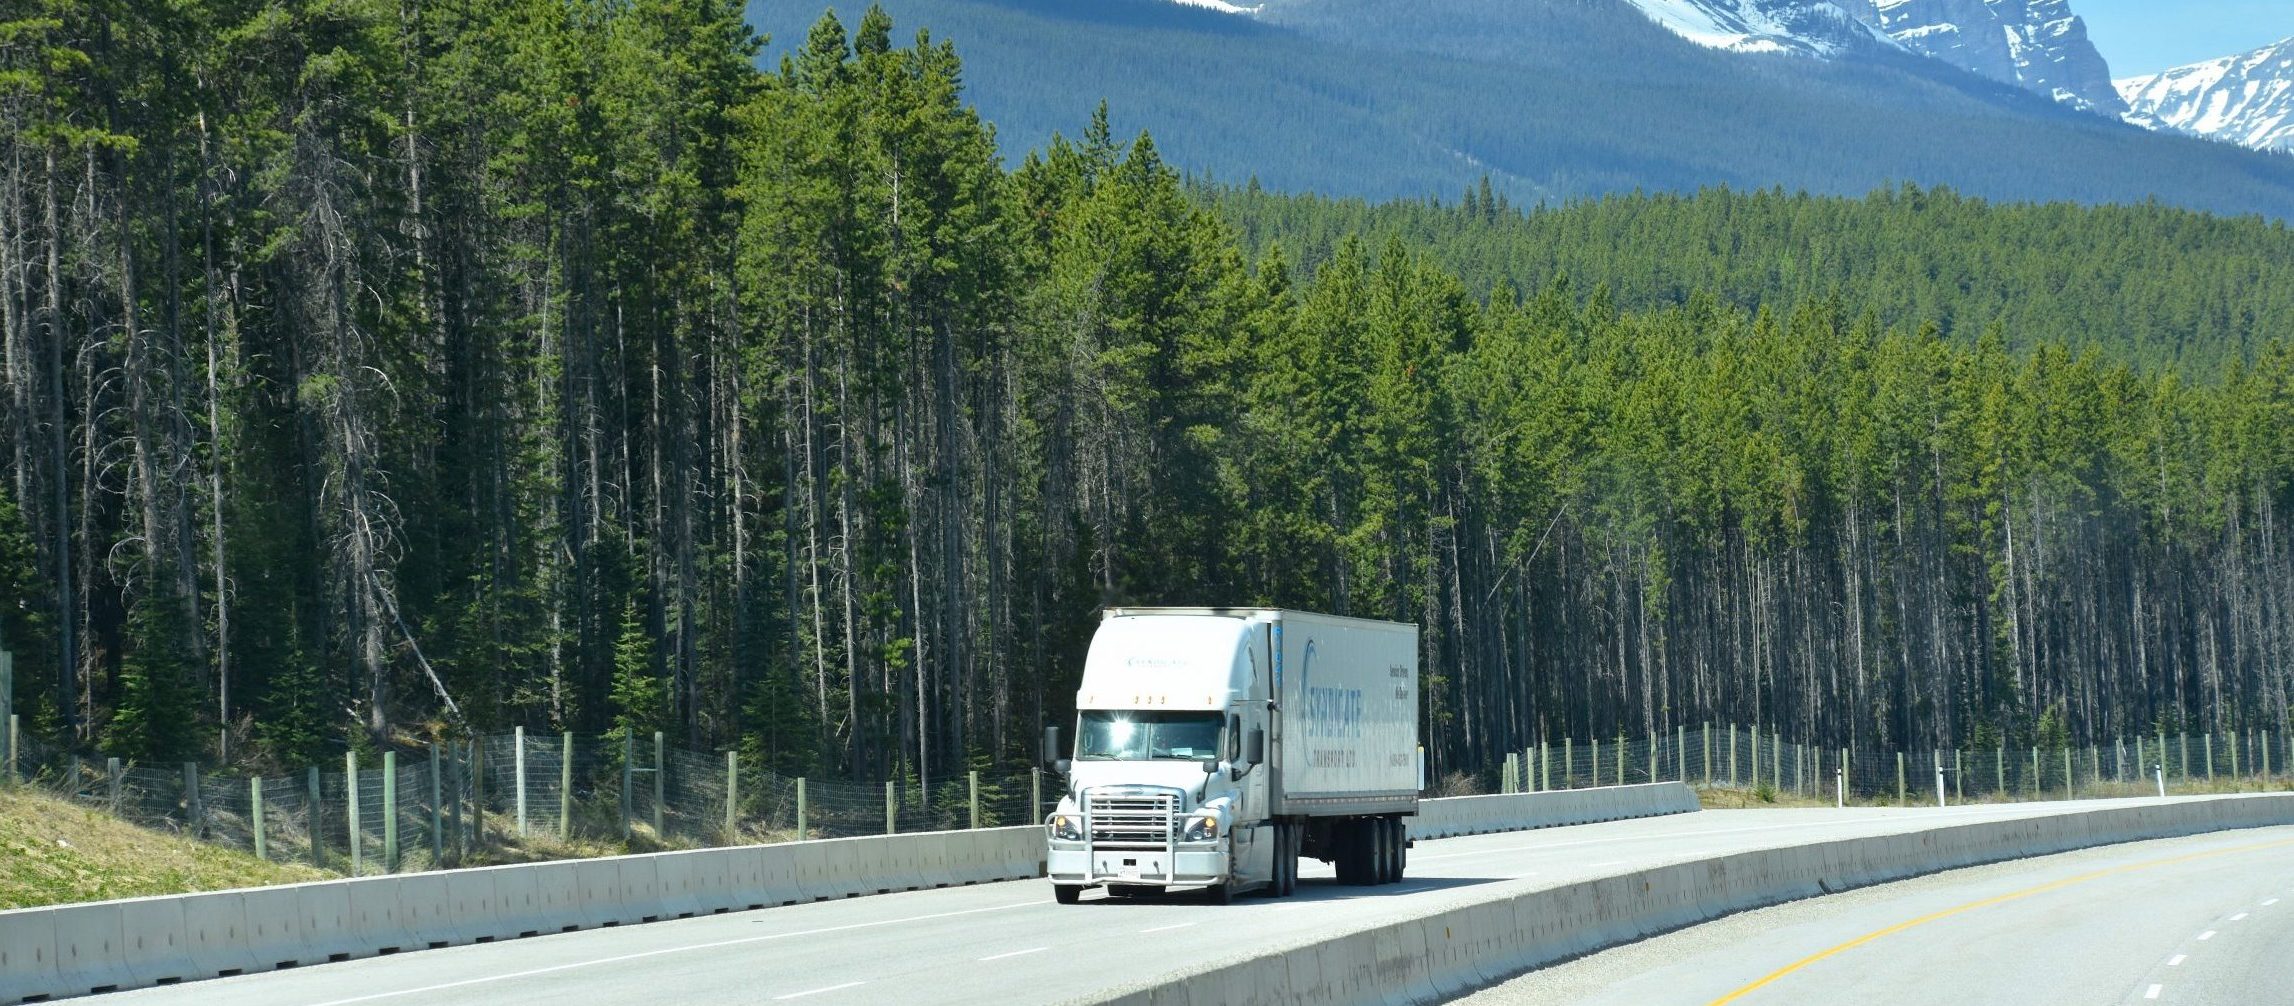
1159	929
465	983
2270	902
815	992
2240	917
2208	935
1015	953
2177	961
2154	992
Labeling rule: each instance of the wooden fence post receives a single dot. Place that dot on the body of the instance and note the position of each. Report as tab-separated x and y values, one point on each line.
390	812
350	792
255	816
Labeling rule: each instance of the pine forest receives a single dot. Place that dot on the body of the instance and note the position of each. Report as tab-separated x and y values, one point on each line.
380	369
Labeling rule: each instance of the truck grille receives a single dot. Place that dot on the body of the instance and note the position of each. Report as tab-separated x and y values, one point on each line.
1132	818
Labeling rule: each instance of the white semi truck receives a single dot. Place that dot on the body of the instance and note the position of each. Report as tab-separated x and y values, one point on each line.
1214	747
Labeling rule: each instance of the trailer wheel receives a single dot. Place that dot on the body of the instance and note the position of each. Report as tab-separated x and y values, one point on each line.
1401	849
1387	867
1067	894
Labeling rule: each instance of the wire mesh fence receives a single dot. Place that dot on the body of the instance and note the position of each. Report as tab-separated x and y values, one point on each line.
529	795
1763	762
516	796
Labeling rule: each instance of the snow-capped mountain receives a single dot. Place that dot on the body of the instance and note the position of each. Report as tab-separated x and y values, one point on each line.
2038	45
1820	29
2246	99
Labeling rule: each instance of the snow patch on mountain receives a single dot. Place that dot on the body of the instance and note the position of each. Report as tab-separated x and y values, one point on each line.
1799	27
2038	45
1222	6
2247	99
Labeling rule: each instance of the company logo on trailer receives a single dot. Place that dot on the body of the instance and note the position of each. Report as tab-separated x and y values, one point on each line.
1330	712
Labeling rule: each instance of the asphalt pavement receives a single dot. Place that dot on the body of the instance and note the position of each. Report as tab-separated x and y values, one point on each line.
2207	919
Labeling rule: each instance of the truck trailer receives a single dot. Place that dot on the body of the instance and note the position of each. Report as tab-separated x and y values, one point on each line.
1216	747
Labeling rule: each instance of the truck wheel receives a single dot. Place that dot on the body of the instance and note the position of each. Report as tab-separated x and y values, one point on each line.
1401	848
1285	860
1067	894
1221	894
1346	839
1385	844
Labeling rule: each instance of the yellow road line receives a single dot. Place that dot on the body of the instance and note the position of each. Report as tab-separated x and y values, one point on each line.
1985	903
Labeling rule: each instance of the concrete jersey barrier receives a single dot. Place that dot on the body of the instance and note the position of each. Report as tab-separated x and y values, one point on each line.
1481	815
1444	954
72	950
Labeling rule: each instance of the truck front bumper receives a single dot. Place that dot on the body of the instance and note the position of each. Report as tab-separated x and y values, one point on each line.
1185	866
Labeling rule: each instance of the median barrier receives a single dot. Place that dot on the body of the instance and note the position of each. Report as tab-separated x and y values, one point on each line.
27	954
753	877
692	882
151	931
783	875
427	910
1449	817
557	896
928	862
1475	945
217	936
809	865
901	862
597	894
475	897
324	909
637	890
274	927
377	923
843	877
518	906
89	953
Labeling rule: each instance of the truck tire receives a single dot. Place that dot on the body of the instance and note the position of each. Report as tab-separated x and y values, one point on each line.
1388	870
1401	848
1285	859
1067	894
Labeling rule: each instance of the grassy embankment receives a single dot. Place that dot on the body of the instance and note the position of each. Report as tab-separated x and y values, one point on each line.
54	852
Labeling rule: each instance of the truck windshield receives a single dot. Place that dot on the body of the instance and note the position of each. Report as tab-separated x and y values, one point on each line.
1138	735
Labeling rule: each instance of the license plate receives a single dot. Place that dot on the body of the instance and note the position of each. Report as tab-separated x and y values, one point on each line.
1129	871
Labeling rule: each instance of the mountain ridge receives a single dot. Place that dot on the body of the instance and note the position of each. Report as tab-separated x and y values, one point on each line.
2246	98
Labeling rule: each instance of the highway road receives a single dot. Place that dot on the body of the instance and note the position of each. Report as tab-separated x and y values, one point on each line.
1009	943
2207	919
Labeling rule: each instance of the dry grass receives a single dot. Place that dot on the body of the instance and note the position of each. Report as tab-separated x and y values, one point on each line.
55	852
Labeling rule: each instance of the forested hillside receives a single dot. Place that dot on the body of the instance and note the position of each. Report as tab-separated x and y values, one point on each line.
2147	283
379	369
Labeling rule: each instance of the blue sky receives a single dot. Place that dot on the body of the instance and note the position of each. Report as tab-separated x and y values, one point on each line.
2144	36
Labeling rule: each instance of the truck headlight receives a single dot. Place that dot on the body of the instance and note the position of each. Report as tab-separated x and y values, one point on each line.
1201	828
1065	828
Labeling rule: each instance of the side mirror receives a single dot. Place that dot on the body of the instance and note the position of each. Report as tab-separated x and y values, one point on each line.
1062	766
1051	749
1255	749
